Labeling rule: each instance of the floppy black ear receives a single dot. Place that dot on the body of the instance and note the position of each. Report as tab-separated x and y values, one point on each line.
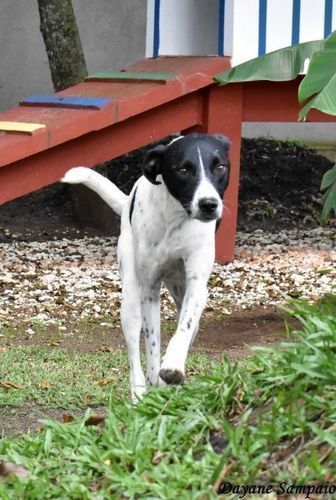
223	139
153	162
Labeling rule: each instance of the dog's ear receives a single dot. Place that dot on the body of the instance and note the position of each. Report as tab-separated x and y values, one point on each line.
153	162
223	139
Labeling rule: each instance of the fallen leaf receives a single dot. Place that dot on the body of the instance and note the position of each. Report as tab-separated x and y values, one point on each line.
67	418
106	349
10	385
10	469
45	385
95	486
157	457
102	382
208	311
148	479
88	398
224	472
95	420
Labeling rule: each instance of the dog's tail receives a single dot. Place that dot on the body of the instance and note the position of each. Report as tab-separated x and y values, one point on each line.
98	183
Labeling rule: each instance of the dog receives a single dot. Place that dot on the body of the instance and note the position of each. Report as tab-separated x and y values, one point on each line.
168	225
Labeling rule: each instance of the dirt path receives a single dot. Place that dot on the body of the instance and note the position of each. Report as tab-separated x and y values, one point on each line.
219	334
235	334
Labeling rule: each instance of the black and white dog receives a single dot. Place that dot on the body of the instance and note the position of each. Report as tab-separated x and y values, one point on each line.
168	225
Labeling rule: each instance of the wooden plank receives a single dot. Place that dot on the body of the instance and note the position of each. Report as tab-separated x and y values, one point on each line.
20	127
66	101
127	101
131	77
50	165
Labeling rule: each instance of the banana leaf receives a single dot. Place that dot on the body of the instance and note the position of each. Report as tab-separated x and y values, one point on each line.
280	65
329	198
319	84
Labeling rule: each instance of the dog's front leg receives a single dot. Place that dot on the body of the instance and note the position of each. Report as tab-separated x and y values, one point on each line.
150	304
173	366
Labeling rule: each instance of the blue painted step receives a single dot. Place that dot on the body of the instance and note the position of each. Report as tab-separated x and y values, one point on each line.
66	101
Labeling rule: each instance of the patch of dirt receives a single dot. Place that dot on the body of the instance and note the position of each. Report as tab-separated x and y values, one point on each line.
232	335
28	417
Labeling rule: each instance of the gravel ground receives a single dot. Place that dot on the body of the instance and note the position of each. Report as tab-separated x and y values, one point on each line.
50	274
66	280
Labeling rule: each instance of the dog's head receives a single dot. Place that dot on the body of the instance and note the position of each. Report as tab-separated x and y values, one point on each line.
195	169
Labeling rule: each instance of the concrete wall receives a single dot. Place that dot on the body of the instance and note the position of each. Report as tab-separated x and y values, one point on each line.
317	135
113	33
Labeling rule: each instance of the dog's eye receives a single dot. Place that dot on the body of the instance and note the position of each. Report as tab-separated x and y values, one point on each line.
219	169
183	172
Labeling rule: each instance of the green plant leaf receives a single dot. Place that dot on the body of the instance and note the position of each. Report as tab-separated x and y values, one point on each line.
325	101
329	200
321	70
280	65
328	178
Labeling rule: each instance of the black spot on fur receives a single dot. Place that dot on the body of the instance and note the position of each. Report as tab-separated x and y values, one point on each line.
132	205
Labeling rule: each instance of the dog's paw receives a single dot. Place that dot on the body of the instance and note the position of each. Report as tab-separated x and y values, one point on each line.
171	376
137	393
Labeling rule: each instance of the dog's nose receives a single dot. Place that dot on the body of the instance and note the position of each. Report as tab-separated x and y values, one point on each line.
208	205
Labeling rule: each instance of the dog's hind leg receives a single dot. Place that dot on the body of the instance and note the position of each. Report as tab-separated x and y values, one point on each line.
177	291
150	304
131	320
131	326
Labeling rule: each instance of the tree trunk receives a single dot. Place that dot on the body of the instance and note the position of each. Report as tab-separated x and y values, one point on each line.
62	42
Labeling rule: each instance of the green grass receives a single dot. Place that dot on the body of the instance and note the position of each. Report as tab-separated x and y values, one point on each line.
275	414
53	376
57	377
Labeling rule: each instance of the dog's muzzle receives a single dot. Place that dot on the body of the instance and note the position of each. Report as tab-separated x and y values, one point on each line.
209	209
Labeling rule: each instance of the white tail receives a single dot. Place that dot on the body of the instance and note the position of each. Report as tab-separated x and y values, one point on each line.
98	183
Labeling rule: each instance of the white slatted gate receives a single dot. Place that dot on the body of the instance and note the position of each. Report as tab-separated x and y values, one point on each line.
242	29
